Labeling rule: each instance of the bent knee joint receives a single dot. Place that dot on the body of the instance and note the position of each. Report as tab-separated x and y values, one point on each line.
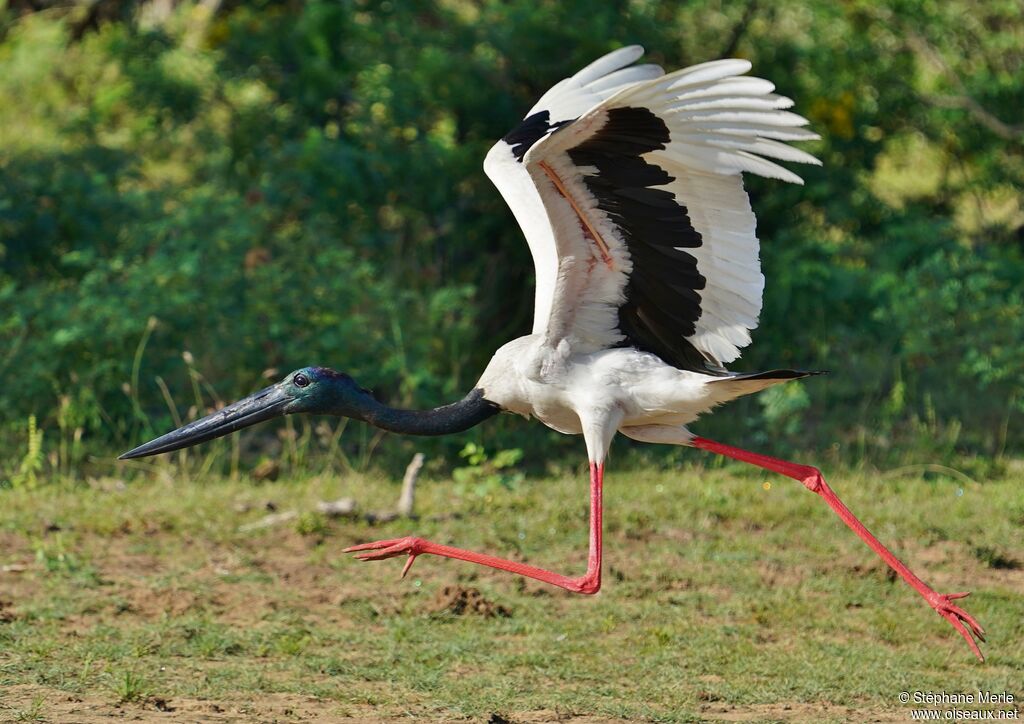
813	480
588	585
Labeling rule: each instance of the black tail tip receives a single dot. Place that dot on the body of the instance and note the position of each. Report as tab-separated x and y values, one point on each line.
778	375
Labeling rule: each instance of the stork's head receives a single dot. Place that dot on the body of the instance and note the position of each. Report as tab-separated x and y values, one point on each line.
310	389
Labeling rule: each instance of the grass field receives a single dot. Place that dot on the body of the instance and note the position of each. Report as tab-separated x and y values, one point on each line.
725	598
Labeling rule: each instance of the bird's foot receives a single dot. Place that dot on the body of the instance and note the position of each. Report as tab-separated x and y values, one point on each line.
944	606
381	549
413	547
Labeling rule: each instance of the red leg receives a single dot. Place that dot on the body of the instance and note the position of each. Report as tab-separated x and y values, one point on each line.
412	547
813	480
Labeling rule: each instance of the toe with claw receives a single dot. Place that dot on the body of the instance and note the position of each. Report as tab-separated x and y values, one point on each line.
381	549
944	606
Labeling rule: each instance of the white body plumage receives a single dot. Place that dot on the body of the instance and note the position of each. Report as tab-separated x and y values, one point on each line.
600	393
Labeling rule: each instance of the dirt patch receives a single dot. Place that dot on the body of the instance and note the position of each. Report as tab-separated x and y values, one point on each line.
32	703
796	712
239	584
153	604
10	543
547	716
775	574
17	563
459	601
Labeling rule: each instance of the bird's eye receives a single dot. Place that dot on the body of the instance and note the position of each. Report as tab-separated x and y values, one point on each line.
300	380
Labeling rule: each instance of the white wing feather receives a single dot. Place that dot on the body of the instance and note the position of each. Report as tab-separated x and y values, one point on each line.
572	97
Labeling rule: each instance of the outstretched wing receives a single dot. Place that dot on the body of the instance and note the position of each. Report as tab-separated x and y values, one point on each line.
640	229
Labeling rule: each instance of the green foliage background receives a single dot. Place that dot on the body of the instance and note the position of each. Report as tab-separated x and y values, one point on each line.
272	184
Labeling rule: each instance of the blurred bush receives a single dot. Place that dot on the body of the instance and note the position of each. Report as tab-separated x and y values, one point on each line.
267	185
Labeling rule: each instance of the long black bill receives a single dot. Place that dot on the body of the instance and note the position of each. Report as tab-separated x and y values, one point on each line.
261	406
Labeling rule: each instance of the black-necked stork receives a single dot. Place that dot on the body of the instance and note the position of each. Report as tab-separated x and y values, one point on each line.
627	184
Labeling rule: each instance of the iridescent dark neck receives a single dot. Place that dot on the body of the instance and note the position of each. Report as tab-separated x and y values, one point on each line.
456	417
